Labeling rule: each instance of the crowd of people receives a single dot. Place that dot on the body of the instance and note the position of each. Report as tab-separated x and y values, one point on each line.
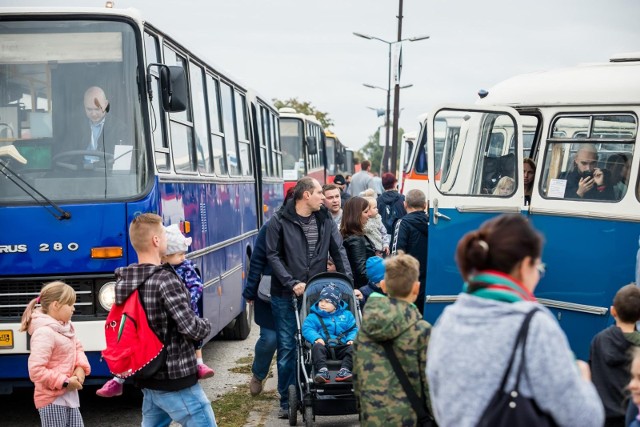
493	353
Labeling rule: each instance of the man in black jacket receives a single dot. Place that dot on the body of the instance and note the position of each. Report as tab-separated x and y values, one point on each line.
299	239
410	236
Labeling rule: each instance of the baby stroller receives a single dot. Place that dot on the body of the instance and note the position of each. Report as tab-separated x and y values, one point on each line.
332	398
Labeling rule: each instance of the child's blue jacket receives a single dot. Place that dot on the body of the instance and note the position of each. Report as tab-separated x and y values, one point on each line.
337	322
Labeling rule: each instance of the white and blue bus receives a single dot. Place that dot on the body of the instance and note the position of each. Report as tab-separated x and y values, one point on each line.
179	138
551	117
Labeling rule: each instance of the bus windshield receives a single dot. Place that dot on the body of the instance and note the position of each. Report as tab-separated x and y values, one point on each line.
70	106
291	141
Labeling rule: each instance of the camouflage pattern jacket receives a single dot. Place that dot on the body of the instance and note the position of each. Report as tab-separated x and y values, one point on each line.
382	399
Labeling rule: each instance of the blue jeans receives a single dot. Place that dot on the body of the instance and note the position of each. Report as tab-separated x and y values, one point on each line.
286	328
189	407
265	348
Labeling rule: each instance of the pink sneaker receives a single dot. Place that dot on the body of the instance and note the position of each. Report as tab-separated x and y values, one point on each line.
111	388
205	372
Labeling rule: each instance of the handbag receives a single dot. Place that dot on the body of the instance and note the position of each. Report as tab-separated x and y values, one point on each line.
510	408
425	418
264	289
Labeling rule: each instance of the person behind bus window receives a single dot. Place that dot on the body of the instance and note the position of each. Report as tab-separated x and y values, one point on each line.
505	187
529	172
620	165
586	180
102	132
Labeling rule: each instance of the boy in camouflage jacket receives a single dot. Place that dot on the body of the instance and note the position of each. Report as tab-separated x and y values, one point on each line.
396	318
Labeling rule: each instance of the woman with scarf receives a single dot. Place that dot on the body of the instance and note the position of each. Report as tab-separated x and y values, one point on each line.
473	339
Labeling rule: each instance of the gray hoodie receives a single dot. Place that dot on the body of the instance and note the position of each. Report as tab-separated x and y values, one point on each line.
469	351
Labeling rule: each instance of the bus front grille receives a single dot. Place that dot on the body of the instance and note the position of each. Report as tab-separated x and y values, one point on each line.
15	295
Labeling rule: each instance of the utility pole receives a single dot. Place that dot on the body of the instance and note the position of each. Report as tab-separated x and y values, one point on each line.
396	102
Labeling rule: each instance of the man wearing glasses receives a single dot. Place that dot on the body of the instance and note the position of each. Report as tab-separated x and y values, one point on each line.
587	181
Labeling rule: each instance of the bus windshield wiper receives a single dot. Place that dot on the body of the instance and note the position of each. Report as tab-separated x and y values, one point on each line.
25	186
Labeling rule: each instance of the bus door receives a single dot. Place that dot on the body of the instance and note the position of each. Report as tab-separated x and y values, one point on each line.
479	166
591	240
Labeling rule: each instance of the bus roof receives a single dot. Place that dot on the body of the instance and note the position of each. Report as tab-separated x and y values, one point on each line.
290	113
609	83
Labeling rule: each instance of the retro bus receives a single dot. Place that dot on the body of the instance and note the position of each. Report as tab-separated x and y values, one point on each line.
337	161
590	241
194	145
302	139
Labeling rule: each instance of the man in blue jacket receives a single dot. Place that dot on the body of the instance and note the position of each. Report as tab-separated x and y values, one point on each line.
300	238
410	235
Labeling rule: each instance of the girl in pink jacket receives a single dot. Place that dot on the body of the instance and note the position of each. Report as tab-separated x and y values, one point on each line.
57	363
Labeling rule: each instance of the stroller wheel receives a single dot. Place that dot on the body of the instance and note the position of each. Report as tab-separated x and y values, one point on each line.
308	416
293	405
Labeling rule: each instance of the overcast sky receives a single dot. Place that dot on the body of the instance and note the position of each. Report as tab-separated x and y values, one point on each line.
304	49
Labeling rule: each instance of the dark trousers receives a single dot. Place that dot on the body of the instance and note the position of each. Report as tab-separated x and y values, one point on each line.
320	353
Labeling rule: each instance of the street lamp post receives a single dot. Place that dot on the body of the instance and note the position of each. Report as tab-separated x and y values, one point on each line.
385	155
394	143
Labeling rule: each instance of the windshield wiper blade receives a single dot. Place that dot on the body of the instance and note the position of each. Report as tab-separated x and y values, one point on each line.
47	203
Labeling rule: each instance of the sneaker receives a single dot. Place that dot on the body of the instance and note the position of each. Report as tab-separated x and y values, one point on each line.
255	386
283	413
343	375
111	388
322	376
205	372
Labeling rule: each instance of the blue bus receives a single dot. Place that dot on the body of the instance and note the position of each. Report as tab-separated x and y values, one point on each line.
585	115
179	137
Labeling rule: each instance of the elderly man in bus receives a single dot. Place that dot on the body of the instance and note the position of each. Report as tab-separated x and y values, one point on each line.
586	180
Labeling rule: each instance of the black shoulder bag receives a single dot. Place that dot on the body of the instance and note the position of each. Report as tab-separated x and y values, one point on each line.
425	419
510	408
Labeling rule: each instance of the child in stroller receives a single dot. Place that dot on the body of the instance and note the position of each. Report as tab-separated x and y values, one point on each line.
331	328
329	397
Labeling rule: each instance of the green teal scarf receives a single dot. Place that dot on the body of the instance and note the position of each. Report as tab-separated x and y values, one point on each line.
500	287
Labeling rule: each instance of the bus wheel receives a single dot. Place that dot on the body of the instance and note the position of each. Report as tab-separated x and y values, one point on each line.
241	326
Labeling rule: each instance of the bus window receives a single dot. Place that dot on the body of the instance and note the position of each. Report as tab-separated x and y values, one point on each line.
243	138
203	155
160	143
215	122
228	128
589	167
291	139
490	158
181	125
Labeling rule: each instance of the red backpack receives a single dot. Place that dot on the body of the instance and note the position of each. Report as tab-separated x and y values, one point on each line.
133	348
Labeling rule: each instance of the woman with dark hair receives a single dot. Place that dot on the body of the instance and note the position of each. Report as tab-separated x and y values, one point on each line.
359	248
473	340
529	172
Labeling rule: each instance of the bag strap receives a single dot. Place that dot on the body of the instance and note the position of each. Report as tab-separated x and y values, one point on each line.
417	403
521	337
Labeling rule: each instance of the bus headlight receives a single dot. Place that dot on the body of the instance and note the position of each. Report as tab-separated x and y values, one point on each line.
107	295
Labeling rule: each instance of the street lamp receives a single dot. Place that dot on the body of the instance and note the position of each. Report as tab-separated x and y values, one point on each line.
385	159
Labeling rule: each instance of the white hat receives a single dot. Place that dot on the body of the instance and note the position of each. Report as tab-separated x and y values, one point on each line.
176	242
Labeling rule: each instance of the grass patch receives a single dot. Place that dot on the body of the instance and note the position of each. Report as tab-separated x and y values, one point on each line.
248	360
233	408
242	369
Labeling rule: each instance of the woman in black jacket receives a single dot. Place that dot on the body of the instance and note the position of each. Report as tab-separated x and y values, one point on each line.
359	248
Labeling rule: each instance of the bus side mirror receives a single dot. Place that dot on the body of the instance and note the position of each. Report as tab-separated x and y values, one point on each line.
312	145
340	158
173	83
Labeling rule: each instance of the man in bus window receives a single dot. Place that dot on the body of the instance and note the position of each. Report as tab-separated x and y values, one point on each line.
586	181
102	133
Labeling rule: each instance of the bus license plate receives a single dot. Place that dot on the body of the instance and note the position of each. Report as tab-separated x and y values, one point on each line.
6	338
